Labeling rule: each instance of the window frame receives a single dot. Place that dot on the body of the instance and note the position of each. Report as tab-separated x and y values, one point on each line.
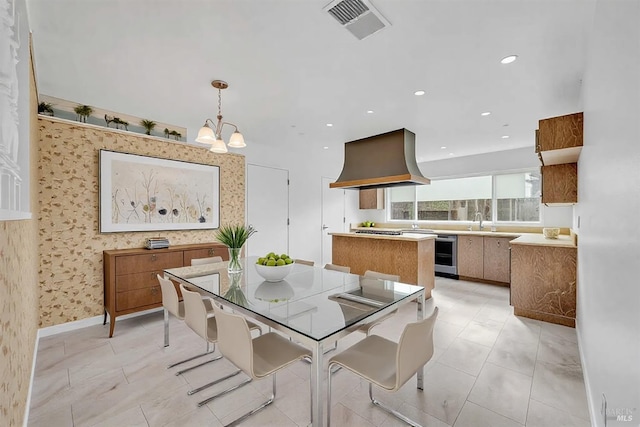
493	222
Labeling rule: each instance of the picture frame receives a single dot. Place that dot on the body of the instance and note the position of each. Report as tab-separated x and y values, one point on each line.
143	193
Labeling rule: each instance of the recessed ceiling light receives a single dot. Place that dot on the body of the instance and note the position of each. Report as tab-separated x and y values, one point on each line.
505	136
329	124
486	113
451	154
419	93
508	59
369	111
443	148
325	148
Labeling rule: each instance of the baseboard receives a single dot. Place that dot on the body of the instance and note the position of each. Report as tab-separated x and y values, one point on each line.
90	321
592	410
33	373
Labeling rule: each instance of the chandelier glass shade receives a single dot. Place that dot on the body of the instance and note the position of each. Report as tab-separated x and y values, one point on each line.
211	133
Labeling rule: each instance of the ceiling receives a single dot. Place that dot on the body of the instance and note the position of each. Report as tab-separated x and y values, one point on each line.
292	68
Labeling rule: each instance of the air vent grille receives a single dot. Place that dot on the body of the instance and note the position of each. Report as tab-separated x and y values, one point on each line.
348	10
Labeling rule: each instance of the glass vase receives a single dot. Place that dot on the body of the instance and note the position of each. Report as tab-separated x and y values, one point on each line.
234	260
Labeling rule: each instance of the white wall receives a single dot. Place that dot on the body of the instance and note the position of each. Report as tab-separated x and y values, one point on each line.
608	312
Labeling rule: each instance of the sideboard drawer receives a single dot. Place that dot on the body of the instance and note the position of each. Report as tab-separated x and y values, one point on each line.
221	251
129	282
138	298
148	262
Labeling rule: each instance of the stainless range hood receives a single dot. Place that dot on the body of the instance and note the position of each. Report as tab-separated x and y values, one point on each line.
385	160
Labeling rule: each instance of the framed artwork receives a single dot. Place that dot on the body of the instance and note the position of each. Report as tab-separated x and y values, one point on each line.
141	193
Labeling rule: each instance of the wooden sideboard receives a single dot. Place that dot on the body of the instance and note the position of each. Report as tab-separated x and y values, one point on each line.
130	282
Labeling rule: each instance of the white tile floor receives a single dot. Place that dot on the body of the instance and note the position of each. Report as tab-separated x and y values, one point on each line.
490	368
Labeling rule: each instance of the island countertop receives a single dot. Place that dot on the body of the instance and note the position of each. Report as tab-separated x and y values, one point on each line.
540	240
412	237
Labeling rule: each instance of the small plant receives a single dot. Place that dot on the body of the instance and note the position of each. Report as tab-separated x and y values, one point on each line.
45	108
148	125
82	112
234	236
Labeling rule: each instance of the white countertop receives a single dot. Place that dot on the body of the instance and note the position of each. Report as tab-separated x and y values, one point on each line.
539	240
415	237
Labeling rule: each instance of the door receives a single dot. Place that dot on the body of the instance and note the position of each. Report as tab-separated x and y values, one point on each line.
267	210
333	220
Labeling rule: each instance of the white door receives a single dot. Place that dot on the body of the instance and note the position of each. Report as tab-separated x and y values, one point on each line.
333	220
267	210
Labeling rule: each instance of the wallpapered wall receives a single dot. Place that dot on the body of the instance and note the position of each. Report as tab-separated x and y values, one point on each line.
71	274
19	294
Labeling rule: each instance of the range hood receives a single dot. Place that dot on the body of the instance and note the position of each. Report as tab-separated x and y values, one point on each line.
385	160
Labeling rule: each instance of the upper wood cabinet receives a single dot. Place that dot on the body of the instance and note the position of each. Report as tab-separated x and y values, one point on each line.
559	139
558	144
560	184
372	198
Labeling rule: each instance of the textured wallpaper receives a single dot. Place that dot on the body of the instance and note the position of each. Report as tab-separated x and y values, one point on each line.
71	275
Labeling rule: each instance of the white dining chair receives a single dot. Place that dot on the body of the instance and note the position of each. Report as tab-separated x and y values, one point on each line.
208	260
171	304
335	267
370	274
204	323
387	364
257	357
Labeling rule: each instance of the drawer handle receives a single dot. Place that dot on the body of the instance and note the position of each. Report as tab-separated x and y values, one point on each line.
211	252
153	274
498	242
154	257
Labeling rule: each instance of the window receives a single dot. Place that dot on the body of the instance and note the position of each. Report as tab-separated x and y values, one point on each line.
511	197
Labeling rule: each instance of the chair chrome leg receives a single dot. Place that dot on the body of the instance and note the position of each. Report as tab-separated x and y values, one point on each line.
222	393
329	394
259	408
219	380
191	368
166	327
308	359
389	410
206	353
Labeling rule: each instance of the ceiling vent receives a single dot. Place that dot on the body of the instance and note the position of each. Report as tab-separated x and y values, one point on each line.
357	16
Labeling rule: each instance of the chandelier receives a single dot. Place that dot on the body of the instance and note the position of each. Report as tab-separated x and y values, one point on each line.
213	136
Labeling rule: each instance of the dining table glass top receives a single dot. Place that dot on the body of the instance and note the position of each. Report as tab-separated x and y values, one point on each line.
312	301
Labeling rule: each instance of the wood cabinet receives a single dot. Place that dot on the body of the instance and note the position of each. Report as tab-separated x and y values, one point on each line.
543	283
560	184
372	198
497	259
558	144
560	133
130	282
485	258
471	256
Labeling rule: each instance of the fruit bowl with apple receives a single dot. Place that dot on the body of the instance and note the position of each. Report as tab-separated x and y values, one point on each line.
273	267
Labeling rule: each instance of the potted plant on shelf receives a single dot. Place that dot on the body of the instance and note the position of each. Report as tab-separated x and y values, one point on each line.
234	237
45	108
82	112
148	125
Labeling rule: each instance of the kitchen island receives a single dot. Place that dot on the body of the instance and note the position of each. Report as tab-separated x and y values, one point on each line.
410	255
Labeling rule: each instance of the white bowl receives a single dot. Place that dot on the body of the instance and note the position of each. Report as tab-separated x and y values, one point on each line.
551	233
274	292
274	273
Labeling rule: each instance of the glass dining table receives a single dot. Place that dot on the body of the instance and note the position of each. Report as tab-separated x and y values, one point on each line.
314	306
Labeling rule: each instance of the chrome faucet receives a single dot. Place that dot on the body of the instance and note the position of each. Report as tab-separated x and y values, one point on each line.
414	226
478	217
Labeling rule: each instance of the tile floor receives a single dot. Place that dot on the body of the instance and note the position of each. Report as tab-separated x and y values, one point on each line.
490	368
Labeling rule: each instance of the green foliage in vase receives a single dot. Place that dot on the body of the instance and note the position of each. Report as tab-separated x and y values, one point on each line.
236	295
234	236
